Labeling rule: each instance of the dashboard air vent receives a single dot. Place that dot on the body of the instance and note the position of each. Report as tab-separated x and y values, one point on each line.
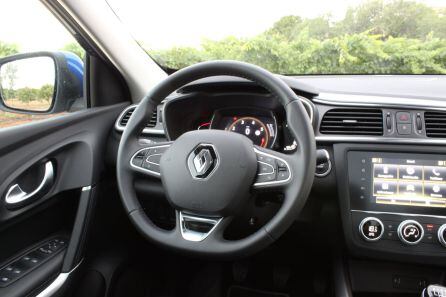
352	122
435	123
125	118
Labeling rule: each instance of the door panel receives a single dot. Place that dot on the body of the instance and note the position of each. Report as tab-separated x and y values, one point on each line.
75	145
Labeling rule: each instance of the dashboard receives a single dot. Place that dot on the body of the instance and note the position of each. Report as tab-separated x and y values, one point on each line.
385	154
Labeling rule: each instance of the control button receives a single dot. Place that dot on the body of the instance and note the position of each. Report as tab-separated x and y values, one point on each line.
266	178
138	159
264	168
154	159
9	268
442	235
403	117
391	235
283	175
390	226
388	122
430	228
371	229
410	232
419	122
323	169
428	238
4	279
151	167
404	129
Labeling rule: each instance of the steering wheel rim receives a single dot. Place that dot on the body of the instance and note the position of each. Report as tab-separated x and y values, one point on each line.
301	164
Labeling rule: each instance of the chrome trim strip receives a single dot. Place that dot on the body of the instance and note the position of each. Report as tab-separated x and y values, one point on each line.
361	231
306	102
400	232
16	195
440	236
191	235
86	188
399	214
276	182
144	170
55	286
382	139
121	128
378	101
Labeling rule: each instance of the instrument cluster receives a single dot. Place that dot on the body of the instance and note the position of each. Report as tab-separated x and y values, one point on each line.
259	125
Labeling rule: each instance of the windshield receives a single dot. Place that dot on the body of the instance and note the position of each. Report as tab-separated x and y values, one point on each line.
293	37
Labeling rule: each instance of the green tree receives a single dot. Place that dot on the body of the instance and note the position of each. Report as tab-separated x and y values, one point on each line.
7	49
46	92
379	36
74	48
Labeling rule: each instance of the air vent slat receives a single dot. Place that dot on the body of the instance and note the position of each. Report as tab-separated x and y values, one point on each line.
352	122
126	117
435	123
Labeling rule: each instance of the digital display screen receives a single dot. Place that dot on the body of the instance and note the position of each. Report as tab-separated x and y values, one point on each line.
410	182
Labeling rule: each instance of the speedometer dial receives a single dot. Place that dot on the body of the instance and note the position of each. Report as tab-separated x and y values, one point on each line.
252	128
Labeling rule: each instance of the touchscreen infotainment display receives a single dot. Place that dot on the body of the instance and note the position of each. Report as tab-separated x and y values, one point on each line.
409	182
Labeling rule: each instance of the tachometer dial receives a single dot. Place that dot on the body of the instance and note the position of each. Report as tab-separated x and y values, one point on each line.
252	128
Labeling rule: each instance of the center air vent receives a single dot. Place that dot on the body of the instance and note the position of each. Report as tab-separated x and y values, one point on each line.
352	122
435	123
128	113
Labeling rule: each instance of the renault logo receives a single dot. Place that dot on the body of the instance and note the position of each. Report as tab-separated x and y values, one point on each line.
202	161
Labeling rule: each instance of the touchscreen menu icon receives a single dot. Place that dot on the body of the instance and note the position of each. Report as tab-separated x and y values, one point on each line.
384	187
386	171
410	188
411	172
434	173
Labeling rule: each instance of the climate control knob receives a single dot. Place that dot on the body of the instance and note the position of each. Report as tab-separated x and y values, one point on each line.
371	229
410	232
442	235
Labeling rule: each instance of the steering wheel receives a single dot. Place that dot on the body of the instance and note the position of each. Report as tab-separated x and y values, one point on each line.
209	175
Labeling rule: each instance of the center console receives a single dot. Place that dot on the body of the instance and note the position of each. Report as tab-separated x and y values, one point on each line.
393	200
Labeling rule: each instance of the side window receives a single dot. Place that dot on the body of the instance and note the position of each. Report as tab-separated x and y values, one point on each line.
41	65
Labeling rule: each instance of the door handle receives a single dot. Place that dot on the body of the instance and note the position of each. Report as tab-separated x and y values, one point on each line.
16	195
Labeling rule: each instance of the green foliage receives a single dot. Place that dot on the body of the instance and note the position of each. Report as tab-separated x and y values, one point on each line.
75	48
378	37
46	92
7	49
27	94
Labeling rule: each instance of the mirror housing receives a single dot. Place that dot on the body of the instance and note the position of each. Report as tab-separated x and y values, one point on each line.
68	83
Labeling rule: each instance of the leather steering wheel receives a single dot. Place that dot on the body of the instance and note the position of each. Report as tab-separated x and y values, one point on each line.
209	175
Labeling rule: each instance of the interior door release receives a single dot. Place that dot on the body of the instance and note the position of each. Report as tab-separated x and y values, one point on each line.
16	195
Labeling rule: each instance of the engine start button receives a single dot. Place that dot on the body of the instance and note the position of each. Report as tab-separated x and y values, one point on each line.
410	232
371	229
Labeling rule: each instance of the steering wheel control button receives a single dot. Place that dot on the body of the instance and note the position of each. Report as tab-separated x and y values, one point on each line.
271	170
441	234
265	168
410	232
371	229
148	159
139	158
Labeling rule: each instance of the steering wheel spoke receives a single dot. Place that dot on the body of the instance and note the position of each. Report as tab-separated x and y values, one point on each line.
147	160
197	227
273	170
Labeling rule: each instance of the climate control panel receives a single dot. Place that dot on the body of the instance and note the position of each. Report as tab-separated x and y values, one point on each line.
400	232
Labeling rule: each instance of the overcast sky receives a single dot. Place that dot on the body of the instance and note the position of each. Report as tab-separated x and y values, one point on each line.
163	23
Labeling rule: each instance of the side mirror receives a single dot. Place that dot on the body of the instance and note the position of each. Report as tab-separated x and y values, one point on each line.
41	83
